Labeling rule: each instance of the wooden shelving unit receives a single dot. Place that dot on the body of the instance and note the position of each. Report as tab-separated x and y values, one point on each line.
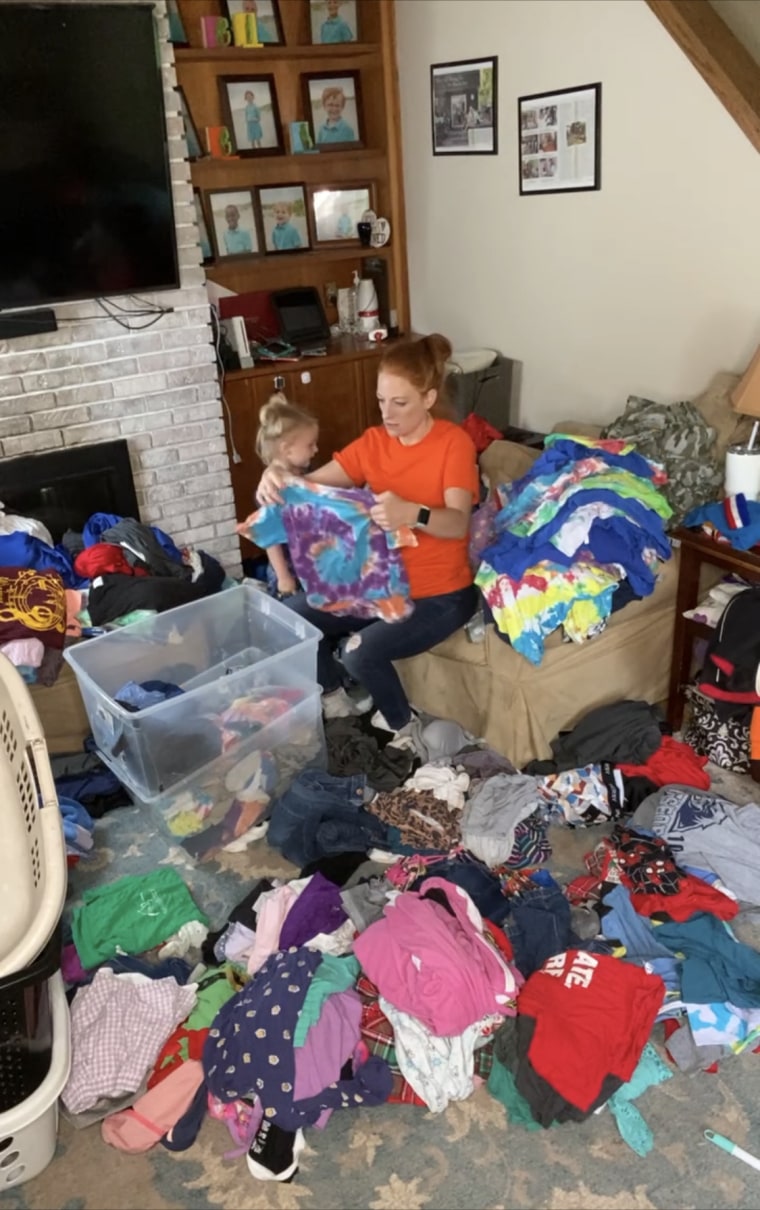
339	388
378	161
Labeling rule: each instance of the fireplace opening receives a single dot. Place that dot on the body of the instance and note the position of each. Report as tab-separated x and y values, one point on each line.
63	488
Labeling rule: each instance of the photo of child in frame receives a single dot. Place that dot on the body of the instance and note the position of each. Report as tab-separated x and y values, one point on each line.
283	212
268	29
338	211
253	118
233	222
334	106
333	21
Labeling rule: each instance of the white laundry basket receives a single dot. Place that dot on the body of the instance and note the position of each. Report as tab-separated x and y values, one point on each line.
29	1130
33	867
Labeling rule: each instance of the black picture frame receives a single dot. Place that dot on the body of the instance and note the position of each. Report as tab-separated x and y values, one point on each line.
236	88
194	146
273	196
315	84
347	15
559	139
207	248
264	27
321	223
464	106
239	197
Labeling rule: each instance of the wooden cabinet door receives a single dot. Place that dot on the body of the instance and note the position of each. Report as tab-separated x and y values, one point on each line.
334	393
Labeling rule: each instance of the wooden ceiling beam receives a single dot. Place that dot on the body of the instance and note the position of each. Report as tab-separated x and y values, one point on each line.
718	56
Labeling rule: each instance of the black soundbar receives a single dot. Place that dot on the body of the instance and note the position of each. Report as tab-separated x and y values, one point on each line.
27	323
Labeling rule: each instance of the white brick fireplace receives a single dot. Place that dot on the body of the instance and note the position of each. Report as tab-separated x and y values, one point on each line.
93	381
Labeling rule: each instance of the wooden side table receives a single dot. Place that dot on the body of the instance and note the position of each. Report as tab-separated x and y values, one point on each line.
697	549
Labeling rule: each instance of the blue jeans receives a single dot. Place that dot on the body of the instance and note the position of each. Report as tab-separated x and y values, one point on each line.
319	815
370	660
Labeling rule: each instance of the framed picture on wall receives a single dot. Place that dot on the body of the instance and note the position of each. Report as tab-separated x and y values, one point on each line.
207	251
337	209
333	21
463	103
194	149
267	14
233	222
284	218
333	102
560	140
250	108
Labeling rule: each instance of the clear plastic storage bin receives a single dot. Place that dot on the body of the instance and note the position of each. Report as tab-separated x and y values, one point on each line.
224	805
245	664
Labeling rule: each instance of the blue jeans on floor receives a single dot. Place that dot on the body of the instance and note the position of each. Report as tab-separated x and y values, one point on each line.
319	815
370	662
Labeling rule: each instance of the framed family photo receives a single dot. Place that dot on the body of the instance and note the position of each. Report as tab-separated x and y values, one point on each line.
250	110
463	101
267	14
233	222
194	149
284	218
560	140
333	21
337	209
333	103
207	251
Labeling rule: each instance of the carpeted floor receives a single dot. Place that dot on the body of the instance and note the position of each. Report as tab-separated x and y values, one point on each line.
400	1157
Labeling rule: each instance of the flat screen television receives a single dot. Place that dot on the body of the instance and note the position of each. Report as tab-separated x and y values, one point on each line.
85	189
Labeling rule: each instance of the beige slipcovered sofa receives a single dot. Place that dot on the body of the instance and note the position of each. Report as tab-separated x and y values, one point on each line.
518	707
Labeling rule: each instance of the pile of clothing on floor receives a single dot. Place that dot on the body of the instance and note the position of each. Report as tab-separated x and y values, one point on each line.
424	949
114	572
581	534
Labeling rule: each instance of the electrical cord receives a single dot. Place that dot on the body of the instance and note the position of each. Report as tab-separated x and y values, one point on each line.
217	329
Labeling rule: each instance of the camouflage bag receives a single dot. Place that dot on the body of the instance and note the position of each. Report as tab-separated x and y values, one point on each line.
677	436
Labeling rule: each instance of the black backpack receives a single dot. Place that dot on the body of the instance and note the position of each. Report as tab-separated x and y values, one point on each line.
731	664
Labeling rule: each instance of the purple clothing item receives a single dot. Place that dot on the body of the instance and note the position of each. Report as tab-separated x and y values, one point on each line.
318	909
71	968
330	1042
346	563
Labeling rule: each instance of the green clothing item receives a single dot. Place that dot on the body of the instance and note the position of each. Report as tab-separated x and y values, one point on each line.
214	990
332	975
501	1084
132	915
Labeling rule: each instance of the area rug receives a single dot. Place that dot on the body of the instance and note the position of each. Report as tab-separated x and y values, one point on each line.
401	1157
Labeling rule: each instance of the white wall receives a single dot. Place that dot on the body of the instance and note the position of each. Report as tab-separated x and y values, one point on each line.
646	287
93	381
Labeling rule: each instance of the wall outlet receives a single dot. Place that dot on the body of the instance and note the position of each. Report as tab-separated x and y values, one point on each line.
331	293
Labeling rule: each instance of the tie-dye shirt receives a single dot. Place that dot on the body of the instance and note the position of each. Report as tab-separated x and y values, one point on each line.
346	564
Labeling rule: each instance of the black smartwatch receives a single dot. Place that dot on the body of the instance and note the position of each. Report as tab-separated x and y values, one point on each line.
423	517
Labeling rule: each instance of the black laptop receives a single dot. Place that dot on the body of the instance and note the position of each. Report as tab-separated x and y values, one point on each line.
302	319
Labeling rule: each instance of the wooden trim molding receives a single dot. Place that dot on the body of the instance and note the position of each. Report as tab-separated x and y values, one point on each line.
718	56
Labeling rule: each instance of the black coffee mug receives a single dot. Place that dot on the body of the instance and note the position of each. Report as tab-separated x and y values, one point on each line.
365	233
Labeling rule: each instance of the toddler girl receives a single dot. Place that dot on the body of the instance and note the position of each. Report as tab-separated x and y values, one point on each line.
287	439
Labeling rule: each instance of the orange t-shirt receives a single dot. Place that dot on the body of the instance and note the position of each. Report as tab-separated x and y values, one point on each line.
423	472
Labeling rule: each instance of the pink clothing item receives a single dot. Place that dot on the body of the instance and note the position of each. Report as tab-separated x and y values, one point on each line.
24	653
118	1025
269	924
434	966
154	1114
73	606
